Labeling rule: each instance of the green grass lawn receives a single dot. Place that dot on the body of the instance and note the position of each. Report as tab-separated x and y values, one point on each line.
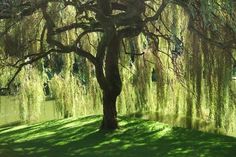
135	138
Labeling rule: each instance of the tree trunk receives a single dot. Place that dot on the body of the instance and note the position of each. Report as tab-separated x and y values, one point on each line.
109	121
113	85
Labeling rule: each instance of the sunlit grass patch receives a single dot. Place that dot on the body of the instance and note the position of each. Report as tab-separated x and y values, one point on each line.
135	137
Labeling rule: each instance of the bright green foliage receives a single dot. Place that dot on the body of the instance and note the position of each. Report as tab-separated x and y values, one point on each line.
198	88
31	95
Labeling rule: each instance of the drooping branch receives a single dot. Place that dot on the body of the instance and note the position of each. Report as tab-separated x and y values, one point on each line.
7	29
81	25
185	4
87	55
27	61
156	16
23	8
135	54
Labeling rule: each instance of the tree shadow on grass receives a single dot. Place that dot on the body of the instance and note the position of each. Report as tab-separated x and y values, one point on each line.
135	138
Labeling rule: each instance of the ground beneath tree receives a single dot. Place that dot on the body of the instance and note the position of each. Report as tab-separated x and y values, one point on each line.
135	138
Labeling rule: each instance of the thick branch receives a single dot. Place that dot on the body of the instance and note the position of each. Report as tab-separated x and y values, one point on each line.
158	12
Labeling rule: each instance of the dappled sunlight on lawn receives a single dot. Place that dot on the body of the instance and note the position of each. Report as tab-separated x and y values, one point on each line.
135	137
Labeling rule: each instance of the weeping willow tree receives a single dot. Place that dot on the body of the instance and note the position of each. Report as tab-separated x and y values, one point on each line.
143	28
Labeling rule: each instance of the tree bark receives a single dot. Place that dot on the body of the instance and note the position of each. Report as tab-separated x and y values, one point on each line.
113	84
109	121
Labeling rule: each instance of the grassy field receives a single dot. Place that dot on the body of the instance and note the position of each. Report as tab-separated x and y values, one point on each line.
135	138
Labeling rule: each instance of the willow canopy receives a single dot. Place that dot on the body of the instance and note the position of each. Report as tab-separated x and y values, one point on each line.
114	20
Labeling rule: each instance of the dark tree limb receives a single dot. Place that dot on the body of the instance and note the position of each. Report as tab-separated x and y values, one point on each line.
27	62
158	12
